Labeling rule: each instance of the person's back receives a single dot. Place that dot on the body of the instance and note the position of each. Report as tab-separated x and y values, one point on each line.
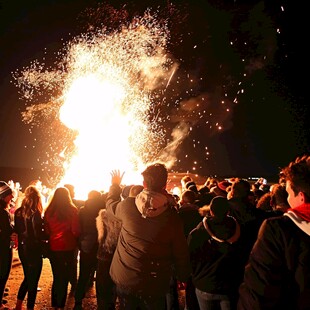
87	217
6	230
277	276
214	255
189	211
88	244
28	224
62	225
108	228
247	215
151	241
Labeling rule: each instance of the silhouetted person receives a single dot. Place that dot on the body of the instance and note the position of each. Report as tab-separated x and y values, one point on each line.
88	244
151	242
62	225
28	225
6	231
277	275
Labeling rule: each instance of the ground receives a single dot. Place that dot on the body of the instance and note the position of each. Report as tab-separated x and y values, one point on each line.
43	301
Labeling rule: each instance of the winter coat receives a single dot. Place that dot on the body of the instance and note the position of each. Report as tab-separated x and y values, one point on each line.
277	276
214	254
63	235
108	227
250	219
88	239
30	236
150	245
6	229
189	214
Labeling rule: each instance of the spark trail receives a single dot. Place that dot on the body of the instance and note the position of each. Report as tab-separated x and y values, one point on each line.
98	100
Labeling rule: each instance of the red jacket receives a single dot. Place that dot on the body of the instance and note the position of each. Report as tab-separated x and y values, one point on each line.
63	235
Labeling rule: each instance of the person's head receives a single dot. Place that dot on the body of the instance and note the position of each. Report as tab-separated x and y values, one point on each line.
94	194
60	203
191	186
297	176
135	190
211	182
185	180
155	177
126	190
219	207
240	189
188	197
279	197
6	193
32	201
216	191
264	202
37	183
71	190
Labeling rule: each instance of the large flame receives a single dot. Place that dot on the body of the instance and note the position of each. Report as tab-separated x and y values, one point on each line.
107	82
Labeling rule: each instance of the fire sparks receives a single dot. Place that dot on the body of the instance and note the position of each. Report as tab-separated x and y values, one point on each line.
103	84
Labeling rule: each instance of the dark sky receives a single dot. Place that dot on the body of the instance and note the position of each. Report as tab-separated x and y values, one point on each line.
251	54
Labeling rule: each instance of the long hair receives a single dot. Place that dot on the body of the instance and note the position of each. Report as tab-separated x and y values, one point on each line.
31	202
60	205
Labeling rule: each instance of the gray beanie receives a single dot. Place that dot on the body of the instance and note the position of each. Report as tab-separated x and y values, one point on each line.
5	190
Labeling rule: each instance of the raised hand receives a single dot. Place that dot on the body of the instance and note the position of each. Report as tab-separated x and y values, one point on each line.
117	177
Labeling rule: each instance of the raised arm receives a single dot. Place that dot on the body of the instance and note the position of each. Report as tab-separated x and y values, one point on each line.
114	195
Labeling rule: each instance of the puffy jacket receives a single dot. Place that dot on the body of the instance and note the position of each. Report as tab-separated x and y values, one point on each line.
150	245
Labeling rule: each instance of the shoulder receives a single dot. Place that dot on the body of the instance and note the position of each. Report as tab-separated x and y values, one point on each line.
128	202
278	222
280	231
18	212
102	213
81	210
74	210
199	229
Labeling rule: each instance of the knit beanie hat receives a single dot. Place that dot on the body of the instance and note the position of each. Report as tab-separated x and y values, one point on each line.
5	190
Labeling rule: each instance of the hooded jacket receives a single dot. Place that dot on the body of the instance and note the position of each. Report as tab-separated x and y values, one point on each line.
278	276
150	245
214	255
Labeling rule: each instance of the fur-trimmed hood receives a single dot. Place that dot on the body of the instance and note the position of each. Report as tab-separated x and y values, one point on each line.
108	228
151	204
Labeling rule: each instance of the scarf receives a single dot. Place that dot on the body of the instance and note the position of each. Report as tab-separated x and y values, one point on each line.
300	216
303	211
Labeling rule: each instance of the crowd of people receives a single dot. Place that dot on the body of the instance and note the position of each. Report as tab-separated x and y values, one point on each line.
230	244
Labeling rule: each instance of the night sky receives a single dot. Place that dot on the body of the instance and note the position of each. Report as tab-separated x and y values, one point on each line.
248	57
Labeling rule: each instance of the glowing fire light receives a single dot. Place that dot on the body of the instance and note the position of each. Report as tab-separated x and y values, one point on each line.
105	81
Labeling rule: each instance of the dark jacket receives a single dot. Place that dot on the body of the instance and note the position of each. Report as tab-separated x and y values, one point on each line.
6	228
88	239
277	276
150	244
250	219
29	230
214	255
190	216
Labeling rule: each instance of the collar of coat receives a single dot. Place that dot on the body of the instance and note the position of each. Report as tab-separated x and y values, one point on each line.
230	240
301	217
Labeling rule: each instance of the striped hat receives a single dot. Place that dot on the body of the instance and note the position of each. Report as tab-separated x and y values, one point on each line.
5	190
